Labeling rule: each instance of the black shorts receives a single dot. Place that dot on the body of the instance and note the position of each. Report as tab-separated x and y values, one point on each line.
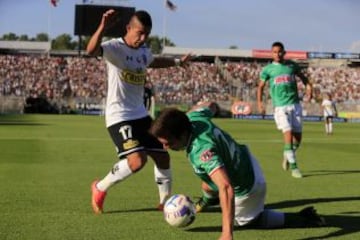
132	136
329	117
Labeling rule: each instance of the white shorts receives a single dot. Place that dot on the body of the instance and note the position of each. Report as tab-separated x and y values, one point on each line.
248	207
289	118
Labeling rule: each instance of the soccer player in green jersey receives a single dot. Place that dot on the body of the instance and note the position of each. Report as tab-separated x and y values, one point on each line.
227	169
285	98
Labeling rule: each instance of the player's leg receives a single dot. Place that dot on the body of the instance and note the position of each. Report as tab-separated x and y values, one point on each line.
296	126
249	209
330	125
132	158
162	170
326	120
284	118
306	217
210	197
162	174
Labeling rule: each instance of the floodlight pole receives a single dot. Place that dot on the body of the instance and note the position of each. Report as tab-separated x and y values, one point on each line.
164	25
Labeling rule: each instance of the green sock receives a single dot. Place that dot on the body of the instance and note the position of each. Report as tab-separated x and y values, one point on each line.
293	166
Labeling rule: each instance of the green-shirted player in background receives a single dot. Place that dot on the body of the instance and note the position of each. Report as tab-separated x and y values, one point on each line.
227	169
285	98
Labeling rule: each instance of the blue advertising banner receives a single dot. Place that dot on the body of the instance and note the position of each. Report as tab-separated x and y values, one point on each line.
347	55
320	55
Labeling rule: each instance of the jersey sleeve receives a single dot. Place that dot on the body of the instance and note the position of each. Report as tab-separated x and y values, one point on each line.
264	75
207	159
108	50
149	56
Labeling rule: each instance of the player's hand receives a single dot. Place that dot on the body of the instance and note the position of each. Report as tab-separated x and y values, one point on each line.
184	60
261	109
109	18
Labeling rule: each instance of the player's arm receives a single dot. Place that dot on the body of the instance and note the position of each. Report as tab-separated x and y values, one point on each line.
94	46
259	97
227	202
213	106
164	62
308	85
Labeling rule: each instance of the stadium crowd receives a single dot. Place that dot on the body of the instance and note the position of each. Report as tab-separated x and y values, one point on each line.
62	78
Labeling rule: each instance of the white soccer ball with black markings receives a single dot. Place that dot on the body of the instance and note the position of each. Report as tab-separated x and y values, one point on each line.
179	211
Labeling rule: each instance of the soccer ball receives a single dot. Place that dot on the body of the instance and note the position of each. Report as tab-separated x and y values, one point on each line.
179	211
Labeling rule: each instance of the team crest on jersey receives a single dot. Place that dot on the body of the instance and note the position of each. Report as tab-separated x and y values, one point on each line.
206	155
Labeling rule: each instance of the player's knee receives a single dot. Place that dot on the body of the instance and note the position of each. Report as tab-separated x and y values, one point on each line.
136	163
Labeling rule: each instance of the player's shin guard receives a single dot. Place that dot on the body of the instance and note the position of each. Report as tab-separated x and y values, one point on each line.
163	179
119	172
289	153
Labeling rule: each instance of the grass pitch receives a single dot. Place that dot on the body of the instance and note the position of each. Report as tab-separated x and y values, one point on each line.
47	163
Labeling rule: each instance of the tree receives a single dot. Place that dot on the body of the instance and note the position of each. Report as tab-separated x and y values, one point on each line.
233	47
42	37
24	37
63	42
84	42
9	37
156	44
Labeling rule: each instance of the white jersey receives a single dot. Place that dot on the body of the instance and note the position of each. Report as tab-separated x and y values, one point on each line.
126	69
328	107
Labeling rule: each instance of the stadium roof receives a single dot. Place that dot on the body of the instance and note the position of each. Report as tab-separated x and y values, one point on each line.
25	45
230	53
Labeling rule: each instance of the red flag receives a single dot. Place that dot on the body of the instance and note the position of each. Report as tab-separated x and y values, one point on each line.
54	2
170	5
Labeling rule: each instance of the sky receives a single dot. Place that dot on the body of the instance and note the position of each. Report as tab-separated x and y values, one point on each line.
304	25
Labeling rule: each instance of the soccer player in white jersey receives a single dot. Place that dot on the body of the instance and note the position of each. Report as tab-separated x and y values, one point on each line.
126	117
329	111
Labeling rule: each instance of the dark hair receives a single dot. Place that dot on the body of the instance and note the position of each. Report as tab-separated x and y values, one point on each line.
171	123
144	17
278	44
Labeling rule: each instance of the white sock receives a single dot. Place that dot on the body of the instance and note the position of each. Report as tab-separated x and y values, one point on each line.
326	128
330	128
163	179
290	156
119	172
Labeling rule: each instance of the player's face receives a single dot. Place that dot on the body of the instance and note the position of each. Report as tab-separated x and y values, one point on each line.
171	143
278	53
136	33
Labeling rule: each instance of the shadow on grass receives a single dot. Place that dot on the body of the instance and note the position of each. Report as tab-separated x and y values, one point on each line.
345	222
13	123
303	202
132	210
329	172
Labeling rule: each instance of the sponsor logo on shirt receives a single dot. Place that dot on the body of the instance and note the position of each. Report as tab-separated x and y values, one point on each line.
206	155
282	79
133	77
130	144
